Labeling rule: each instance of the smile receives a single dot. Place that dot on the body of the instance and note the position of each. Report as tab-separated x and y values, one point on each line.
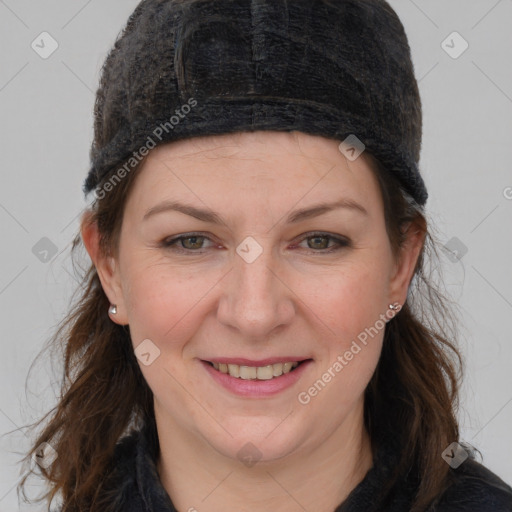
256	379
267	372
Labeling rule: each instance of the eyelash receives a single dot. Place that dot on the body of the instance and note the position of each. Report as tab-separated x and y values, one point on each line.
171	243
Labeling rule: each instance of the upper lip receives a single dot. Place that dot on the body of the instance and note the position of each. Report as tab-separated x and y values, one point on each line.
241	361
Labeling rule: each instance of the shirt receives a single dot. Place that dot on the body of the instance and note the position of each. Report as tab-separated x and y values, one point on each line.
474	488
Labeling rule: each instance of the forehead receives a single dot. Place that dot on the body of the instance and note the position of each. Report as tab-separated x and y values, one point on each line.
262	165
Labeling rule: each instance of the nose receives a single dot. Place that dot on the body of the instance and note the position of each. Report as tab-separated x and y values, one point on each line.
256	300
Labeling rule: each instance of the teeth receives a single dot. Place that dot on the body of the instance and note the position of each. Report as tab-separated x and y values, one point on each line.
265	372
287	367
248	372
277	369
233	370
256	372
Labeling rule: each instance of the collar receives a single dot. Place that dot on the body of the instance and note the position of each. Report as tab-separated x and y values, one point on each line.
472	486
144	491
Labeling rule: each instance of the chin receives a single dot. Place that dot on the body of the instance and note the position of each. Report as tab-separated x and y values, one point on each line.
258	441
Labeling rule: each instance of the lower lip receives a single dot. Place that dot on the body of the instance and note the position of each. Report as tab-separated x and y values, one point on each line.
257	388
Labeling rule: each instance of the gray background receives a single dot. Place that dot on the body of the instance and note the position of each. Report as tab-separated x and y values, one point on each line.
46	112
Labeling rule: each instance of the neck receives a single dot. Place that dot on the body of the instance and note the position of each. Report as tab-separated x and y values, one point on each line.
197	477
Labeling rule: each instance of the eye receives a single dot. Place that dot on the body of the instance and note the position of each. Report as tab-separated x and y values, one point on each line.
191	243
319	242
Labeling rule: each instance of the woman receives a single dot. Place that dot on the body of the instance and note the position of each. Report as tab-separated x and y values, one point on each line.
249	336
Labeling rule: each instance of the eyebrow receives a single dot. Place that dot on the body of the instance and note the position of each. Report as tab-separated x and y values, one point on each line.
210	216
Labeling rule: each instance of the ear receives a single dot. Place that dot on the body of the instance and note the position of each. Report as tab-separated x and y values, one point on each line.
407	258
106	266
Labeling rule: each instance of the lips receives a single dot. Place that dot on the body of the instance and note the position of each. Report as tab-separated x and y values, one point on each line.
265	369
240	361
257	382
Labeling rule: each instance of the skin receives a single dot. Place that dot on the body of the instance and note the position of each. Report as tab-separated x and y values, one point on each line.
294	299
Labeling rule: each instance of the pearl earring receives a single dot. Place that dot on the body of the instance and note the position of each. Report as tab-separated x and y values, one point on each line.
112	309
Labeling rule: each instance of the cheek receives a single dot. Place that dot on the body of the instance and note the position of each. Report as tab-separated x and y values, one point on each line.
353	305
158	304
167	304
348	300
165	309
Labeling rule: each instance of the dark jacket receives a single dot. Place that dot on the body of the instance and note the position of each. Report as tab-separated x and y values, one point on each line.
474	488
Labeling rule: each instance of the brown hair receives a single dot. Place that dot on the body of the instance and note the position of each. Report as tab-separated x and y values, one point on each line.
104	395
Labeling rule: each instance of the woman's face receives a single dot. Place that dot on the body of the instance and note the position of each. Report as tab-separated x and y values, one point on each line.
263	275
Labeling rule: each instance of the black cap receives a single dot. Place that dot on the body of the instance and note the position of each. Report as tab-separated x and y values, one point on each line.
334	68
